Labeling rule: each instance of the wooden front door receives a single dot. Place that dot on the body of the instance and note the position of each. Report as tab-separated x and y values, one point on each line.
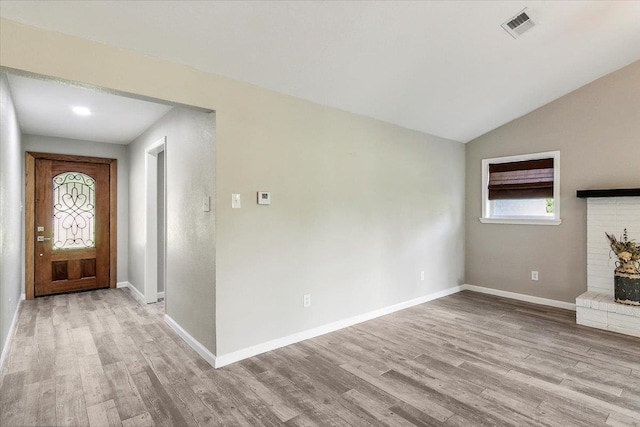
72	226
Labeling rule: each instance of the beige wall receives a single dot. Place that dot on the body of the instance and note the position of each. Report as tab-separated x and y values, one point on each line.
359	207
50	144
11	218
597	130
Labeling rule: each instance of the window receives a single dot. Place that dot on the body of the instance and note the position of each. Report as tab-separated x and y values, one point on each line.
522	189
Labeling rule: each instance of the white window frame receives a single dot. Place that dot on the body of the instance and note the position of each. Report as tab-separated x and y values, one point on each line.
486	217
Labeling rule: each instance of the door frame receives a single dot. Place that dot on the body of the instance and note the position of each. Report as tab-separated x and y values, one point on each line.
29	213
151	220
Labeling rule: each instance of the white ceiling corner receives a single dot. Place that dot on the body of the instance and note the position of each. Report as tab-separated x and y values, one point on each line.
442	67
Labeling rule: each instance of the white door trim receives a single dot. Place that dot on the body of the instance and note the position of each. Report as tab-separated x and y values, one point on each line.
151	220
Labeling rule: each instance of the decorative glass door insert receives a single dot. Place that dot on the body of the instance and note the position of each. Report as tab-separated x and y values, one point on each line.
74	211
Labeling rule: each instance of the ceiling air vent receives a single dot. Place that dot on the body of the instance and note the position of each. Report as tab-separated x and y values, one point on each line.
519	24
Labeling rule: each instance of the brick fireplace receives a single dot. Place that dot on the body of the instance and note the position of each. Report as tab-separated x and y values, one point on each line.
608	211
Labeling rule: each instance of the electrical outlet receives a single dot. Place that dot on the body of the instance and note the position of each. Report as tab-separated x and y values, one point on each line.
534	275
422	275
306	300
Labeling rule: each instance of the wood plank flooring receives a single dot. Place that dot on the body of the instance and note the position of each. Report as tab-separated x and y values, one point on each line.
101	359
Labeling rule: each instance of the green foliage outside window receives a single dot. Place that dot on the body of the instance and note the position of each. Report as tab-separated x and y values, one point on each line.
549	205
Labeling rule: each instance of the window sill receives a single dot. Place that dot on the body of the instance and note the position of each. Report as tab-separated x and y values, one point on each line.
521	221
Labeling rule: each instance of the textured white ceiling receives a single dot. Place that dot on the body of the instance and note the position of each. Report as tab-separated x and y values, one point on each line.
445	68
44	108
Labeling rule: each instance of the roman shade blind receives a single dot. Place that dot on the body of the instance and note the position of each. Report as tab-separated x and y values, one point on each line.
529	179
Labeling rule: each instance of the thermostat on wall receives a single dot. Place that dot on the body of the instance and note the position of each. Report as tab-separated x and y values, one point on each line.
264	198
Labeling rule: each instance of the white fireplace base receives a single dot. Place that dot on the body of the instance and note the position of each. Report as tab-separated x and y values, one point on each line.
597	307
600	311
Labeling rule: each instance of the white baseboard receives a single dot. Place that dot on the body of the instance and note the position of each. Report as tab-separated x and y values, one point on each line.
193	343
520	297
245	353
226	359
7	342
134	291
160	295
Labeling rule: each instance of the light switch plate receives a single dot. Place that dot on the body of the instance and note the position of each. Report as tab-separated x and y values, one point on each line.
206	204
235	201
264	198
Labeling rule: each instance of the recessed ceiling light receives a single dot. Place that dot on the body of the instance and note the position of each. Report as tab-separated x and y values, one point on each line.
81	111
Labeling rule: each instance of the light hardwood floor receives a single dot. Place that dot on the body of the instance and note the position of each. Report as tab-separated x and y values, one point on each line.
99	358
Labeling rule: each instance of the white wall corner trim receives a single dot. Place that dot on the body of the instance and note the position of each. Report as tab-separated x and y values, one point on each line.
14	321
193	343
520	297
134	291
226	359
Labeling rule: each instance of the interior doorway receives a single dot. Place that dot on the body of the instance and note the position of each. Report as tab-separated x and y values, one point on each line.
76	119
155	248
162	224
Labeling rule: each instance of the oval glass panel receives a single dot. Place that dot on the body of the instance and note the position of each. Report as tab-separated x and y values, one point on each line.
74	206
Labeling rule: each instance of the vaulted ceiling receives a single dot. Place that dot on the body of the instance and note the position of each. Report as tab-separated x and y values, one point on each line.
446	68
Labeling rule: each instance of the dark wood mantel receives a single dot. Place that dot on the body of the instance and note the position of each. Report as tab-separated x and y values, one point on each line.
620	192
